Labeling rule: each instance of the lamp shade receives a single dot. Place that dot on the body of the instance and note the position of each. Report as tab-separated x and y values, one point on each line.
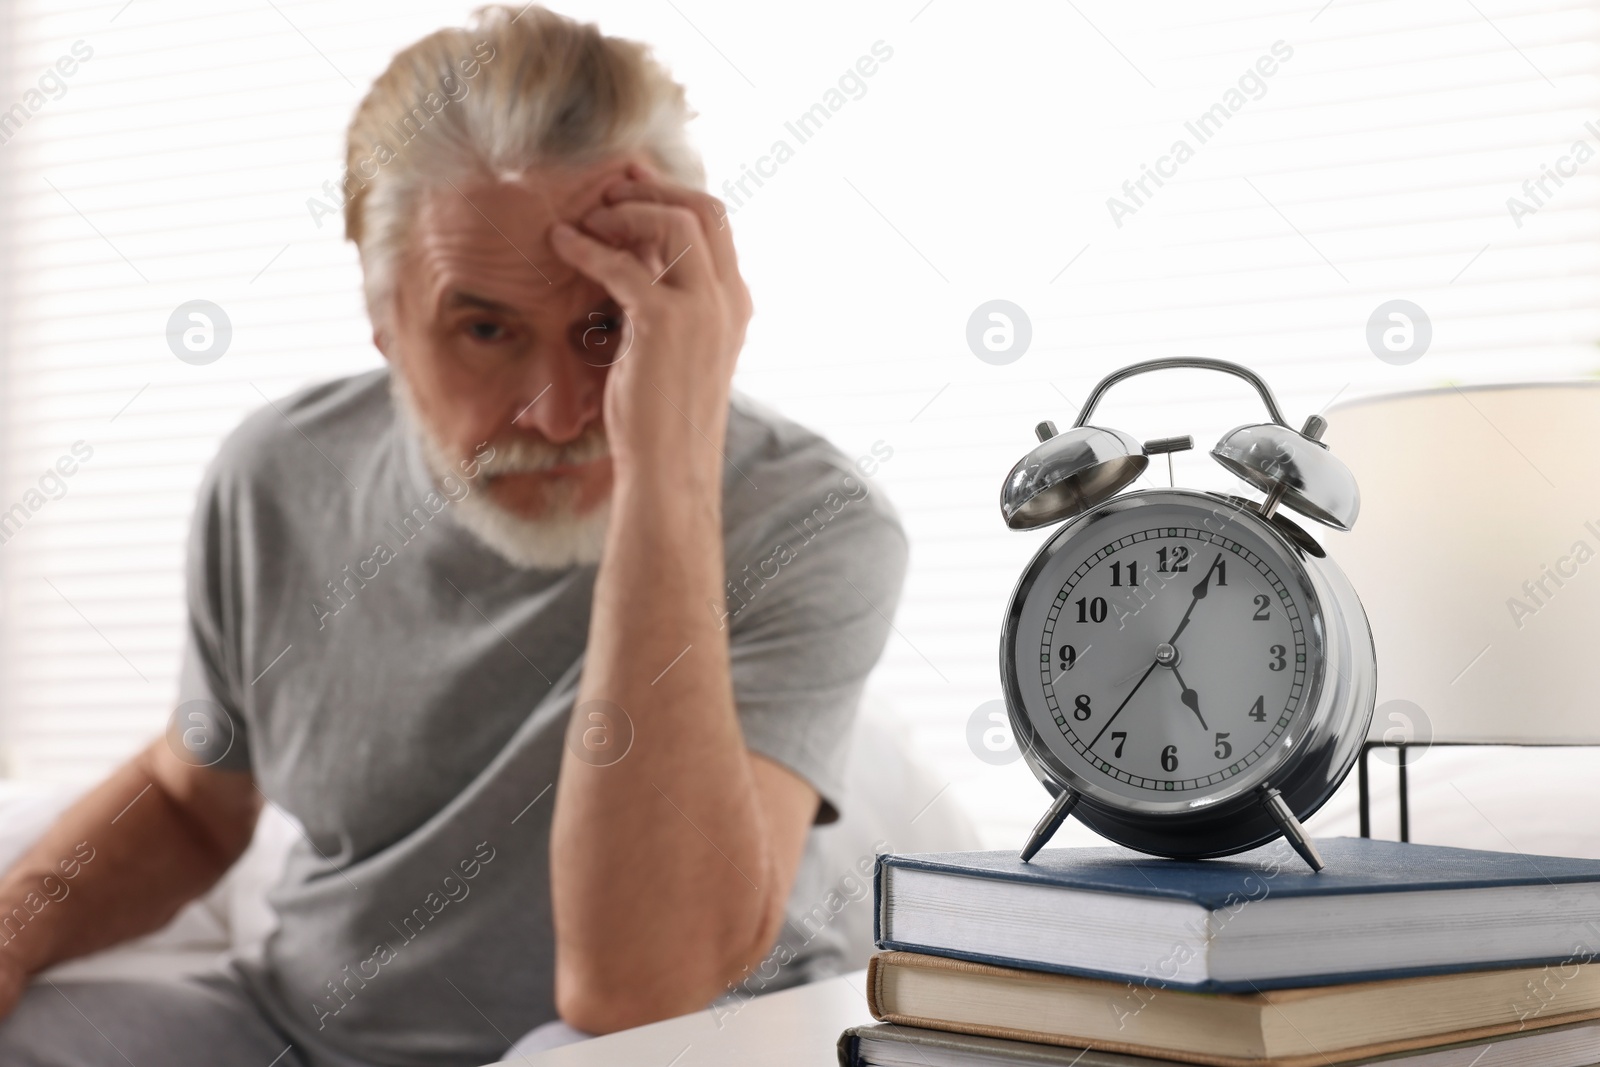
1478	557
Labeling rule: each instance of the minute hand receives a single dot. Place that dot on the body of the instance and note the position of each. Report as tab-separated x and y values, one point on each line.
1200	592
1124	704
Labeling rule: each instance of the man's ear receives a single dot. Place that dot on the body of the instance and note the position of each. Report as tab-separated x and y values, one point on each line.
382	314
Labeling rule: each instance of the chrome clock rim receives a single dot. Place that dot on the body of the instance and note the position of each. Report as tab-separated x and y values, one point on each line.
1306	763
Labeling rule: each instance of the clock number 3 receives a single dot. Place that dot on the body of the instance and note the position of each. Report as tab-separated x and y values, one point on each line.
1278	660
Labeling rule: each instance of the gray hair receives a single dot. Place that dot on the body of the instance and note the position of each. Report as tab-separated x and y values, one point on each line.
511	91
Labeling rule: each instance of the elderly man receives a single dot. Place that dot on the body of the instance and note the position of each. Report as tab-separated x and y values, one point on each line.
548	641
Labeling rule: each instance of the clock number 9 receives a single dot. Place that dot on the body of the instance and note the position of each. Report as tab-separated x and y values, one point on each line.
1080	707
1169	758
1069	657
1278	660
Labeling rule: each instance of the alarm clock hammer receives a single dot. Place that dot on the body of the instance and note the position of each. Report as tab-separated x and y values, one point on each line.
1282	652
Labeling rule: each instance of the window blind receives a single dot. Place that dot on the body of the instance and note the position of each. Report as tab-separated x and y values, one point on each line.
994	153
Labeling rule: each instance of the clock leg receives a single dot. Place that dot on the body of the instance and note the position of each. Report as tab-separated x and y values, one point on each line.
1059	810
1292	830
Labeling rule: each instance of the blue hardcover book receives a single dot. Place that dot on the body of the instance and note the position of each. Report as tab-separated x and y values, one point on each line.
1257	921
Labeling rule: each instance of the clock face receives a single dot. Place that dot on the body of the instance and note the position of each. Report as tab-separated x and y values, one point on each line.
1165	647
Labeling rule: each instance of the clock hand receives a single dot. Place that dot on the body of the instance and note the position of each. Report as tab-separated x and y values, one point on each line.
1191	699
1124	703
1200	592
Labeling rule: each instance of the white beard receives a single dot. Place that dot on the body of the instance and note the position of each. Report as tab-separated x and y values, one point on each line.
561	537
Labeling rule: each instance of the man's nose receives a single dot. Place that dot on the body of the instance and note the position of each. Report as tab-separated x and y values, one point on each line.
558	397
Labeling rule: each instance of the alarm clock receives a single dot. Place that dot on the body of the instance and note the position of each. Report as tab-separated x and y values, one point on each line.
1186	672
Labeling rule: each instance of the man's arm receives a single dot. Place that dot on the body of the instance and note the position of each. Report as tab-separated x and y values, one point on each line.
157	833
669	869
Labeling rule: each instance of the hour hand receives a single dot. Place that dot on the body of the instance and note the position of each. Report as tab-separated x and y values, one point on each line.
1204	585
1200	590
1190	699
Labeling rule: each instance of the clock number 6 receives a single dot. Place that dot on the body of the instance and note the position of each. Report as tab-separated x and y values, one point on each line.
1169	758
1278	660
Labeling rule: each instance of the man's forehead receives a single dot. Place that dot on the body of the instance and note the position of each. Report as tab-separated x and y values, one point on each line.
490	237
458	268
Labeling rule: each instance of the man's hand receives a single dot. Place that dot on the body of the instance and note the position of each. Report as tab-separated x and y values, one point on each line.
666	255
670	868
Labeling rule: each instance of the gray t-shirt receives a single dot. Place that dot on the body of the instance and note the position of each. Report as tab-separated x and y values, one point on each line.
403	692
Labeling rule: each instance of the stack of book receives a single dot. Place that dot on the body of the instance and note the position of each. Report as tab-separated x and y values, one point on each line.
1403	954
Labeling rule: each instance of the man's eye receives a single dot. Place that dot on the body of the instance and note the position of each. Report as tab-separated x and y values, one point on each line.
486	331
601	338
600	325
